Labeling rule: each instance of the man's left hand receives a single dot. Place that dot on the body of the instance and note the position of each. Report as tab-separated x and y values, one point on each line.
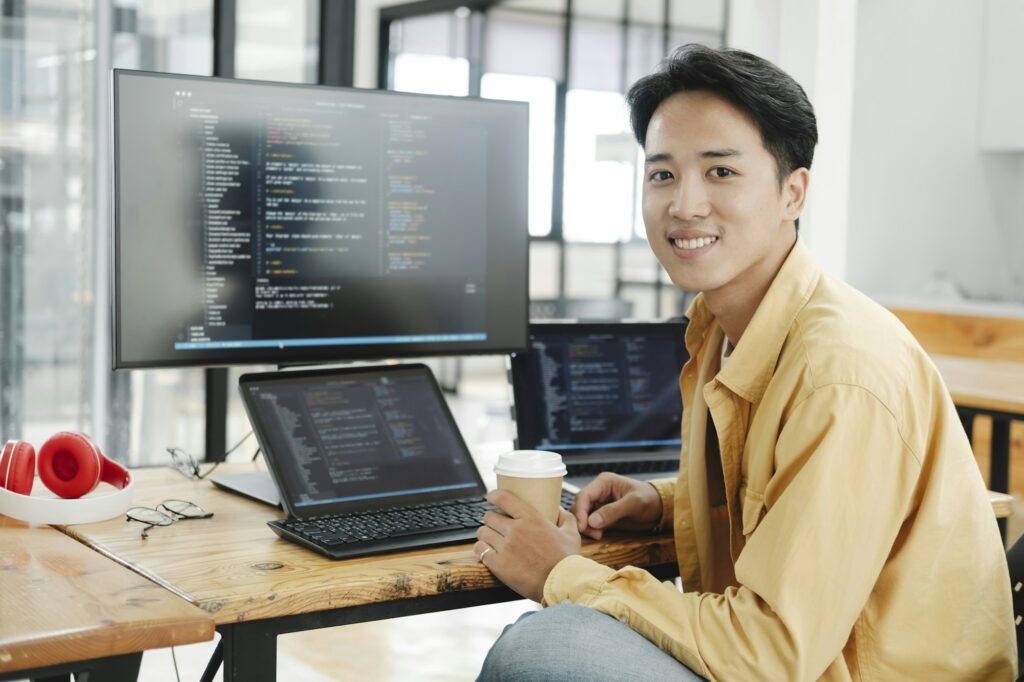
524	546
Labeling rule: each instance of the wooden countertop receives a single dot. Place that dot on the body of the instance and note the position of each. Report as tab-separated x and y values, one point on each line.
236	569
983	384
63	602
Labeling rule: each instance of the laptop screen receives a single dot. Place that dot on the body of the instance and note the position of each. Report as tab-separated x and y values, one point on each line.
362	437
585	387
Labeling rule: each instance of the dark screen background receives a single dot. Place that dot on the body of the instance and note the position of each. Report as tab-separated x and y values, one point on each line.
592	386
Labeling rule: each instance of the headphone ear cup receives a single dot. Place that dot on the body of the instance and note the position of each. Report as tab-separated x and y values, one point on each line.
69	464
18	467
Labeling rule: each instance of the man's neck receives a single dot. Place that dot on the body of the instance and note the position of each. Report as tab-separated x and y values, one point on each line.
734	305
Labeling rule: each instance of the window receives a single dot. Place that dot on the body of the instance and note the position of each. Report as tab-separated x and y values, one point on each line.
540	93
277	40
599	161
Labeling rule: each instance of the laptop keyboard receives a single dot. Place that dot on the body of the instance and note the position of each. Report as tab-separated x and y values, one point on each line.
371	527
628	467
388	530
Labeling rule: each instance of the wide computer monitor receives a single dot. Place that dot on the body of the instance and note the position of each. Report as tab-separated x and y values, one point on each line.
260	222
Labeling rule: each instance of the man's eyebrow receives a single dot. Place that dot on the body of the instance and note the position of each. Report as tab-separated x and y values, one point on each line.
719	153
657	158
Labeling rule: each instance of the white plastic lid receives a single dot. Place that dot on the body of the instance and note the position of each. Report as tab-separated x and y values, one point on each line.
530	464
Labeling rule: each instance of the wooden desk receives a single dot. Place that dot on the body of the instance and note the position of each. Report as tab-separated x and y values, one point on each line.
257	586
994	389
985	385
66	608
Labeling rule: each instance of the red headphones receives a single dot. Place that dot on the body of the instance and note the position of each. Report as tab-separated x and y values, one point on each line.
71	466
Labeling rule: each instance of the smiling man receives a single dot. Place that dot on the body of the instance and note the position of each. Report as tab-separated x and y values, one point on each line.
829	517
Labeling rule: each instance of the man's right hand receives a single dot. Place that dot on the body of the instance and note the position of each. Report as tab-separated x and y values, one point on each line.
611	500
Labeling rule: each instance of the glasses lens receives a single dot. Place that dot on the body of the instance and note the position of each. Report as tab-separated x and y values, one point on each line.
183	462
150	516
184	508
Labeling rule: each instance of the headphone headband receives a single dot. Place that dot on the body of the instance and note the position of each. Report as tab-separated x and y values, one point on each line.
59	512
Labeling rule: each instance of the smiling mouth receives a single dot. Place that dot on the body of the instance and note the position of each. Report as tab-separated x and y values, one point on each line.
693	244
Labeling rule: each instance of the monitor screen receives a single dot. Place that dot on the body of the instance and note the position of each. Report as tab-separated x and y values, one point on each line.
358	435
261	222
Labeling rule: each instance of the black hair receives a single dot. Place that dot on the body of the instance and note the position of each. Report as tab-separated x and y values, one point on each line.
775	102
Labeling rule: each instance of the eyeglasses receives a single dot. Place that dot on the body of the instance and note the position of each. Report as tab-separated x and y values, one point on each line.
184	462
166	513
187	465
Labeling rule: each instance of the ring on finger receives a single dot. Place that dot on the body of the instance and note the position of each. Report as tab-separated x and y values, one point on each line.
484	553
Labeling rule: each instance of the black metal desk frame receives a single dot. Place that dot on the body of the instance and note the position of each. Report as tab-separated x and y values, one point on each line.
999	463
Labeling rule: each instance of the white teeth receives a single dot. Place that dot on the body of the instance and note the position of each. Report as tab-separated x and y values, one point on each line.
689	244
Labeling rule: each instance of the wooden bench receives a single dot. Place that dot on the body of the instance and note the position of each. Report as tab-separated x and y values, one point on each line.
66	608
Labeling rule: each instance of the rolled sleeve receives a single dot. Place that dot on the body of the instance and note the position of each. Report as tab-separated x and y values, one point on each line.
576	579
666	488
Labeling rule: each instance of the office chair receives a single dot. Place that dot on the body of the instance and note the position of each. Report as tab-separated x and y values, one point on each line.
1015	560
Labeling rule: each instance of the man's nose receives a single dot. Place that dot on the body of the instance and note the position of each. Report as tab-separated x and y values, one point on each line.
690	200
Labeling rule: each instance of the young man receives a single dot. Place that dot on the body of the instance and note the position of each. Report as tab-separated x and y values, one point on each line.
830	520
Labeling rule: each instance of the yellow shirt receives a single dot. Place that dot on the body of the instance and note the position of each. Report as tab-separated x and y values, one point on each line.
848	534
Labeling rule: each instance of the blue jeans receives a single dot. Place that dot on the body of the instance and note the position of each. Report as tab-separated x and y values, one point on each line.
568	642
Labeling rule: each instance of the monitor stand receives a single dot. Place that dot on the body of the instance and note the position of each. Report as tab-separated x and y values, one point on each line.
257	485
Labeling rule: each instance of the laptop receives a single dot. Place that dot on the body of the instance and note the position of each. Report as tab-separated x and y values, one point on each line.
605	395
367	460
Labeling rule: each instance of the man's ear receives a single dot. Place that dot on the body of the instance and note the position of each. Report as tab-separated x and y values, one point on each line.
794	193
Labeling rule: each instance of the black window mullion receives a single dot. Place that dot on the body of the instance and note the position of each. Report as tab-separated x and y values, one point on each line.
623	75
384	53
224	31
336	65
666	31
477	31
558	179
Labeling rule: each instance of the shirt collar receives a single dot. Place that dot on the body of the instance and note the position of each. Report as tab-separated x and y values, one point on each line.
753	360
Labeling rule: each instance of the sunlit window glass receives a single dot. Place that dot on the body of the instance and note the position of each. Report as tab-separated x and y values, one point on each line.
540	93
431	74
277	40
599	168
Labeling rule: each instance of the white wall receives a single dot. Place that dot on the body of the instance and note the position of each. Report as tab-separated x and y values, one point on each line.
814	42
925	202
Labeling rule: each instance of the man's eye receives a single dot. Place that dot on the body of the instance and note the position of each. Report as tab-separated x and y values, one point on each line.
720	172
660	176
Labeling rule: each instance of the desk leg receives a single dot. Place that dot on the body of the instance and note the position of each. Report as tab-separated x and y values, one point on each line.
999	468
250	651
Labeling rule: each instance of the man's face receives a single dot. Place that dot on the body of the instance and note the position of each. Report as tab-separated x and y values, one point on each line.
716	217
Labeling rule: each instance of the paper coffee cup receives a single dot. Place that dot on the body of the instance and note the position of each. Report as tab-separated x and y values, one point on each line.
535	476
